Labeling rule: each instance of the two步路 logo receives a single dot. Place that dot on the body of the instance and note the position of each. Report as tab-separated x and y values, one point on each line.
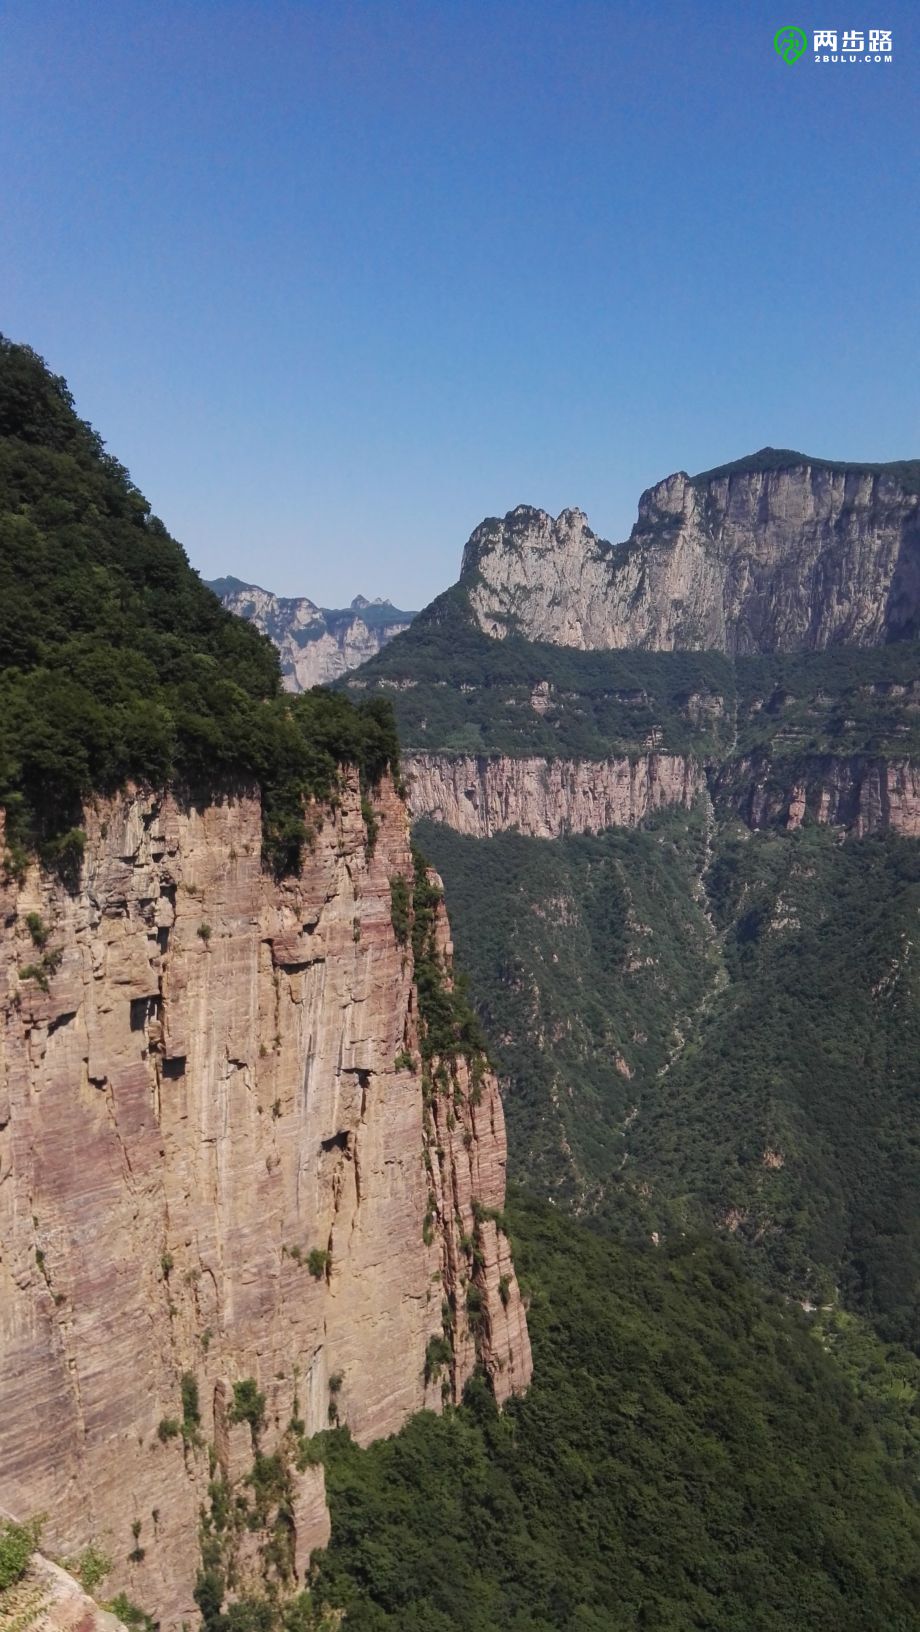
834	45
790	43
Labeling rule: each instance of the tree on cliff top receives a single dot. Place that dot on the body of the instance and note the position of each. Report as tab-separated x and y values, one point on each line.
116	661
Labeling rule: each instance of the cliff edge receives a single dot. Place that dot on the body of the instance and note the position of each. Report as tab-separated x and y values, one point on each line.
241	1196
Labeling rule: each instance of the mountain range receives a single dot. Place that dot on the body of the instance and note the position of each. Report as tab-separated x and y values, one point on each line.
316	644
278	1350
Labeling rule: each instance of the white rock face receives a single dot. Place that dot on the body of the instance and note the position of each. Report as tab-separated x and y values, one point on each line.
789	559
315	645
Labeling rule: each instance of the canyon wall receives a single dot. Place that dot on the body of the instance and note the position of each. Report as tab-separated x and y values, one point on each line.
480	795
546	799
206	1077
860	794
753	560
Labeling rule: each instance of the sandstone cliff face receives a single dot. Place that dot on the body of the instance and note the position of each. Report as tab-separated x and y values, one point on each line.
545	799
204	1077
860	794
315	645
751	561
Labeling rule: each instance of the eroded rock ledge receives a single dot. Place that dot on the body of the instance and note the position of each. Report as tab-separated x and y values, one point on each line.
480	796
206	1077
861	794
546	799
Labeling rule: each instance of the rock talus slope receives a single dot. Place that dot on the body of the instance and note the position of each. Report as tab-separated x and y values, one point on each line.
795	558
206	1076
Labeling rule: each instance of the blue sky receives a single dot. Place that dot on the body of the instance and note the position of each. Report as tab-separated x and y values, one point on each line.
337	280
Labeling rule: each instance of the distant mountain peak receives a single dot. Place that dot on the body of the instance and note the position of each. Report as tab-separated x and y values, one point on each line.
316	644
777	551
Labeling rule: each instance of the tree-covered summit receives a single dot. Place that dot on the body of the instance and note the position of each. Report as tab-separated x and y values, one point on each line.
905	471
118	663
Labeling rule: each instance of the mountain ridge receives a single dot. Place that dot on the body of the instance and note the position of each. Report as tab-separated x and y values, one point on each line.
771	553
316	644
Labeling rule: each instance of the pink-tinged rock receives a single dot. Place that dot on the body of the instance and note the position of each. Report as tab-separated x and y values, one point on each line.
858	793
205	1093
545	799
47	1599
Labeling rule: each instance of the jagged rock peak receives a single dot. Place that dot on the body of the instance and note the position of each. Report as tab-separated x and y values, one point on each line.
777	551
316	644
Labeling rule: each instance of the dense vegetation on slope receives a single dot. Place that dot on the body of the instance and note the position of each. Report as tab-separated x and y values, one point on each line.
792	1112
455	690
583	957
116	662
687	1457
847	700
787	1022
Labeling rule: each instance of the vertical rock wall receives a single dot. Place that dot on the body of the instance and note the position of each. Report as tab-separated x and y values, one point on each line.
206	1077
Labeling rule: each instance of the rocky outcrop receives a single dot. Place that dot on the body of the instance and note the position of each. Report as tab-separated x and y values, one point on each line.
546	799
859	793
48	1599
316	644
220	1166
798	557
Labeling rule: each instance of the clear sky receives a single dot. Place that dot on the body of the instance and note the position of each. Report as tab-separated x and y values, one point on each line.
335	280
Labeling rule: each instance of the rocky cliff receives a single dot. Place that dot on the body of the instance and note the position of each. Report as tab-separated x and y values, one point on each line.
481	795
778	553
858	793
546	799
316	644
231	1209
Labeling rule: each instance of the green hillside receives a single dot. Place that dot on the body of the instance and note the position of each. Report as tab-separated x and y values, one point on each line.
687	1457
117	663
584	955
456	691
730	1041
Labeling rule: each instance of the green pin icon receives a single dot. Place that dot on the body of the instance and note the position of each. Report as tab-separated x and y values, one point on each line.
790	43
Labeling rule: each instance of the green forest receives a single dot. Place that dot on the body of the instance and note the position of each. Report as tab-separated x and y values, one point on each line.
117	663
726	1038
706	1038
456	691
582	954
688	1456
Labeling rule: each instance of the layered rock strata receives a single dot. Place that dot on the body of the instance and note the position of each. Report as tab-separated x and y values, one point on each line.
757	560
548	799
480	796
860	794
219	1166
